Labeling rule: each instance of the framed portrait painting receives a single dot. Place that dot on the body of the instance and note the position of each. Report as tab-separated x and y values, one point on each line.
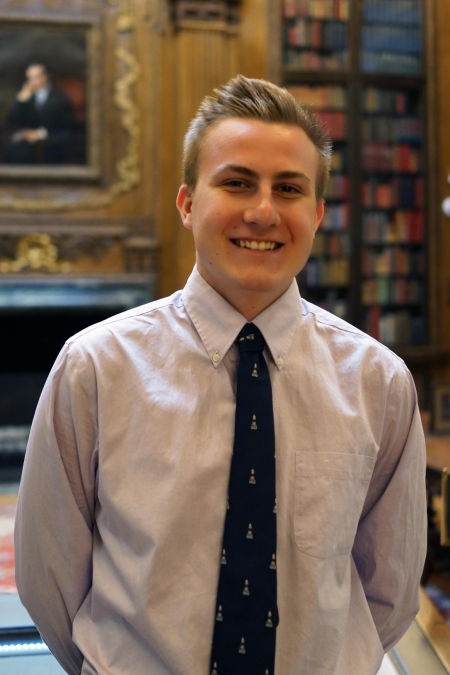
49	98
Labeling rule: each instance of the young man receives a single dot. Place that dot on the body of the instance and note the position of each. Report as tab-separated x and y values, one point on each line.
122	555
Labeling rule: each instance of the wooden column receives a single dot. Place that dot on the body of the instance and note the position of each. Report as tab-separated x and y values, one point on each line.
442	250
199	52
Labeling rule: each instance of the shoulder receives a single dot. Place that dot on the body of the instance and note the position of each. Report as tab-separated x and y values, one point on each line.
146	320
347	343
353	367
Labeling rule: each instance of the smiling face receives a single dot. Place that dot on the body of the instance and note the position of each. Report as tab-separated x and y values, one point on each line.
253	212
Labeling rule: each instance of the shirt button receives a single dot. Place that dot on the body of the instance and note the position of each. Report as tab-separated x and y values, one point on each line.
280	361
216	357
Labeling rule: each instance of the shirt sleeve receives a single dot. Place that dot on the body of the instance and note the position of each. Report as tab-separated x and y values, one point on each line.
55	514
390	546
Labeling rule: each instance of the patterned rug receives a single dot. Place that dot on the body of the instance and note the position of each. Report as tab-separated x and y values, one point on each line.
7	513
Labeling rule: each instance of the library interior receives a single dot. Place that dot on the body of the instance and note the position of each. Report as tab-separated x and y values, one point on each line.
94	108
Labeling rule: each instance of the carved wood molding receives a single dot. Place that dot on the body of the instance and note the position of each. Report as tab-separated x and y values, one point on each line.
210	14
13	223
128	174
34	252
54	248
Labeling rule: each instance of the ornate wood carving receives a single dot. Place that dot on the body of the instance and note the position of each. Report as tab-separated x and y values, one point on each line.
35	252
206	11
56	248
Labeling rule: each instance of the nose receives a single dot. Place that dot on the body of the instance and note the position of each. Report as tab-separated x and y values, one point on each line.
261	209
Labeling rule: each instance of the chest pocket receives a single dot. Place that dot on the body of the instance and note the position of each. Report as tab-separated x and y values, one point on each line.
330	489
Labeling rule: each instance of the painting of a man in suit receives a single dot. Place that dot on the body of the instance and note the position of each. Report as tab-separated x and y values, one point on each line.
41	122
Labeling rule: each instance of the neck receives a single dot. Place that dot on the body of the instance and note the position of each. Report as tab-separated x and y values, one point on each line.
250	307
248	303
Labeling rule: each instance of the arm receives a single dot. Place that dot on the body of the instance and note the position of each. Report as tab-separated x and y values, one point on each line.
53	536
21	114
390	545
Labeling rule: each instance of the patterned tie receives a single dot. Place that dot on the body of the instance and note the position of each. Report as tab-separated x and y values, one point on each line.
246	612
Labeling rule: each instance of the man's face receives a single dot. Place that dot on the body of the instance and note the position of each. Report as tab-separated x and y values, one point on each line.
36	77
253	212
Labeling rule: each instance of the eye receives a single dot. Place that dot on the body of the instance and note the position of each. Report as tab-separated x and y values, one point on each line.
293	190
235	183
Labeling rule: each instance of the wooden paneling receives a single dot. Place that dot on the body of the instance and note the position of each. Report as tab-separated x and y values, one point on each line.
442	254
253	43
168	176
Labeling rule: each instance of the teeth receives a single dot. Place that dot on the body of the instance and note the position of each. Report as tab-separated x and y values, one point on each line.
256	245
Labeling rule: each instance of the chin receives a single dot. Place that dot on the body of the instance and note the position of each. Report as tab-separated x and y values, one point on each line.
259	283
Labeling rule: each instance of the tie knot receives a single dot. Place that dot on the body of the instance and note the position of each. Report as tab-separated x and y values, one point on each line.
250	339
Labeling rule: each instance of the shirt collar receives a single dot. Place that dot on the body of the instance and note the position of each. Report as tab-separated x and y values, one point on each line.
218	323
41	95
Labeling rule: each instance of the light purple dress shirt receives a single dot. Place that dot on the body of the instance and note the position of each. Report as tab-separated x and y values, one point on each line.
124	491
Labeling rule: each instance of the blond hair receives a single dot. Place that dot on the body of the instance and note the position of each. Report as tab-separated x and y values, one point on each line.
260	100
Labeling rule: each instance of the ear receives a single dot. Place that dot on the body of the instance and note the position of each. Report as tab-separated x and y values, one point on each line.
184	206
319	214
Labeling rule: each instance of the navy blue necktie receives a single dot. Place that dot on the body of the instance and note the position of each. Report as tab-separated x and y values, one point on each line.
246	611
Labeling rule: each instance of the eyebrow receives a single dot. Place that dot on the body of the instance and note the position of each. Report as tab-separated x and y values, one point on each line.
245	171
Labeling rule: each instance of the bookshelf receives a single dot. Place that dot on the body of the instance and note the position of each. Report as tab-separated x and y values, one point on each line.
364	66
327	273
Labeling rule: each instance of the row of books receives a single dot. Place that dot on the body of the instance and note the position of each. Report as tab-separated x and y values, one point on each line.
335	305
336	217
403	192
337	187
331	244
401	227
393	39
318	9
325	273
339	158
313	60
334	122
391	261
389	101
401	12
395	328
391	62
371	62
392	130
384	291
401	157
311	33
331	98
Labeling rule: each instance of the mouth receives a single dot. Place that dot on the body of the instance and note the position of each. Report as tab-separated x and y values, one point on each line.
256	245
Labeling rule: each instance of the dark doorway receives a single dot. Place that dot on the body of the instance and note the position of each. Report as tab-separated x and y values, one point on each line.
29	344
